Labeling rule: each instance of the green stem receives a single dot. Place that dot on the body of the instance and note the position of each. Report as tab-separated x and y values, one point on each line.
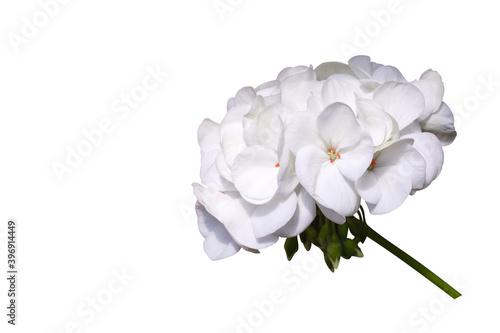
377	238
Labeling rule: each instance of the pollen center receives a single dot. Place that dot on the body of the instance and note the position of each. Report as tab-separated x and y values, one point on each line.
372	164
333	155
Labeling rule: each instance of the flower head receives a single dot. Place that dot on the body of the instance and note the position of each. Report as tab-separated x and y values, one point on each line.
317	141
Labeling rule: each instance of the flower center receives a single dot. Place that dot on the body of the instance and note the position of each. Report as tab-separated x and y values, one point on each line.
372	165
277	165
333	155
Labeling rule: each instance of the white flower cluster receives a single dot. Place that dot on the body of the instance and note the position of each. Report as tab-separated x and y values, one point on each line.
317	138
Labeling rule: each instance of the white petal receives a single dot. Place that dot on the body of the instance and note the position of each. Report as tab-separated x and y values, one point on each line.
208	135
393	181
303	216
386	73
368	188
268	218
255	174
245	96
234	213
327	69
441	124
413	128
354	160
430	148
361	66
368	86
222	167
331	214
413	164
206	222
249	114
287	178
207	160
309	160
394	186
268	89
324	182
377	122
301	71
315	105
392	152
340	88
432	87
296	89
230	103
208	139
267	127
402	101
338	127
301	131
231	133
364	68
213	179
218	242
336	191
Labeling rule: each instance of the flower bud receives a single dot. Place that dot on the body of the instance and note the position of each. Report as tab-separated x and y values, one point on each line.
291	247
305	240
350	248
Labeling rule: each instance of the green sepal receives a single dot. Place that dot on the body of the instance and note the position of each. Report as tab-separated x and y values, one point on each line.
312	234
305	240
358	228
291	247
334	251
331	238
351	249
324	234
342	230
328	261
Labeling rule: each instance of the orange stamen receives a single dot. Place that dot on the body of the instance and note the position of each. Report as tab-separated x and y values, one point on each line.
277	165
333	155
372	164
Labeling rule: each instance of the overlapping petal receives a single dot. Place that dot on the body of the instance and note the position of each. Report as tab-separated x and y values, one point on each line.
255	174
324	181
338	127
441	124
218	242
385	186
273	215
234	213
428	145
304	214
402	101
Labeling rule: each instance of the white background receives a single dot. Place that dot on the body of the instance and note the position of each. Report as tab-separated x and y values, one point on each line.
127	207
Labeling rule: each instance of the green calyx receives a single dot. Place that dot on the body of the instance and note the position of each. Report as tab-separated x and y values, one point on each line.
331	238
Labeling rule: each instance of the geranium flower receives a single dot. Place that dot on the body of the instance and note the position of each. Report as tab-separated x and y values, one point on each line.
297	153
332	152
